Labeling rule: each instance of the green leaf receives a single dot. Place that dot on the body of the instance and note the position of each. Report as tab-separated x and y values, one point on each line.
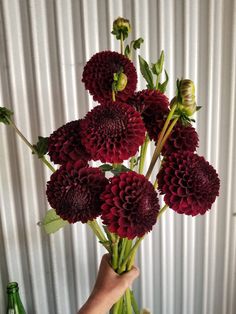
147	74
41	146
52	222
198	108
137	43
127	51
118	169
106	167
5	115
162	86
158	66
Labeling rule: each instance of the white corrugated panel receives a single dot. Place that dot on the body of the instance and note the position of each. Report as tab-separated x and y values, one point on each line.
188	265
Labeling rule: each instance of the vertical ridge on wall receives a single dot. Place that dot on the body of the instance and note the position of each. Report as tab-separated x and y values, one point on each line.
187	264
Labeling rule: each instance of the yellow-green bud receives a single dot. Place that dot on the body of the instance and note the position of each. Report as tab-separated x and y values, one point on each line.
122	82
121	23
187	95
121	26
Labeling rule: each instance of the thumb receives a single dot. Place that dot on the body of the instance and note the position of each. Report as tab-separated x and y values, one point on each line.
131	275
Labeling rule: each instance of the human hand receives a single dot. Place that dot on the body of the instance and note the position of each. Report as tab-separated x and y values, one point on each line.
108	289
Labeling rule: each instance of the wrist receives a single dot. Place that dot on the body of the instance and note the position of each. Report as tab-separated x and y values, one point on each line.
96	304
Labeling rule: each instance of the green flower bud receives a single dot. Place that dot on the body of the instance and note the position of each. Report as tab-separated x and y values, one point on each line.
119	82
122	82
186	96
187	92
121	26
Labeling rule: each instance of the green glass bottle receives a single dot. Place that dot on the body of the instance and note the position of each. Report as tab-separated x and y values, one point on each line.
15	305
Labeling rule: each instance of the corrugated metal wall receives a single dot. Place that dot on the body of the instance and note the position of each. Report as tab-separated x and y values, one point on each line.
187	264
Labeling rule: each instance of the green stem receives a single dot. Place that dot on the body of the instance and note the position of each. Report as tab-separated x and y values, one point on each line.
131	252
122	267
158	150
132	160
162	210
155	184
123	247
115	242
134	303
99	233
113	95
121	43
128	301
43	159
157	81
117	307
143	154
168	133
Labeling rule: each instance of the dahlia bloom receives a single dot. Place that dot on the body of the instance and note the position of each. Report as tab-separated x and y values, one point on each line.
74	191
112	132
98	75
154	108
130	205
190	184
182	138
64	144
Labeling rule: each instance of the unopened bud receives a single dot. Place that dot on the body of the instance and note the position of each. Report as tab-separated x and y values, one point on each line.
119	82
121	26
187	96
122	82
187	92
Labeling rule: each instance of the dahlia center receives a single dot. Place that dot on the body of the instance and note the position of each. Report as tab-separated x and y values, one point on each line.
201	178
112	125
145	205
76	199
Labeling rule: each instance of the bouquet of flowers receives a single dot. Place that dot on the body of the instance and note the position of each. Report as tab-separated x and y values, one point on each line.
115	198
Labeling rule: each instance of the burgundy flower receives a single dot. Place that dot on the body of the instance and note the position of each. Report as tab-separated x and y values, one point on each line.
112	132
154	108
99	72
130	205
189	182
182	138
64	144
74	191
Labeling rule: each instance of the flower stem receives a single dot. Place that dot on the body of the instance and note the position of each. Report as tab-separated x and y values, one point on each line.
99	233
117	307
123	247
131	163
162	210
131	252
43	159
128	302
121	43
159	147
155	184
168	132
143	154
113	95
134	303
115	242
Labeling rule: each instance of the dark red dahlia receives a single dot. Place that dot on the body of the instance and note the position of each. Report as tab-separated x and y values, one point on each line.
182	138
74	191
189	182
64	144
99	73
112	132
130	205
154	108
